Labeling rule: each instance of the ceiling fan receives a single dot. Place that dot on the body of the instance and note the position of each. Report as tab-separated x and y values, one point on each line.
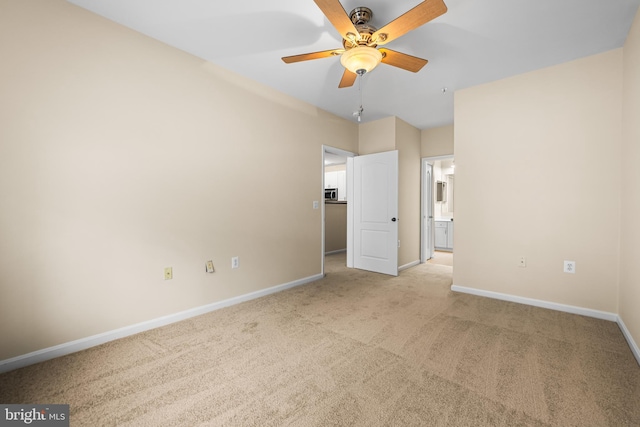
361	40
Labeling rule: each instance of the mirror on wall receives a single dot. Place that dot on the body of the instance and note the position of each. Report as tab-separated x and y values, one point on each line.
444	185
448	205
441	191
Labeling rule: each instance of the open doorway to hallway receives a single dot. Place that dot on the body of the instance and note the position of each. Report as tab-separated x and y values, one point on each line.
437	228
334	206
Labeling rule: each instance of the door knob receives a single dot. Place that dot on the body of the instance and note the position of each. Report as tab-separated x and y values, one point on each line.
393	219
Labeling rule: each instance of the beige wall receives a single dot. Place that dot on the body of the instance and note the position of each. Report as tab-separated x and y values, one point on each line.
377	136
121	156
437	141
335	232
630	235
538	175
388	134
408	145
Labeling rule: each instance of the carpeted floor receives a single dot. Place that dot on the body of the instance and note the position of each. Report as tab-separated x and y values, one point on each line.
353	349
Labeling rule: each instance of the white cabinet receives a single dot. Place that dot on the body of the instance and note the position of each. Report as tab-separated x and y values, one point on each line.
444	235
331	180
441	234
337	179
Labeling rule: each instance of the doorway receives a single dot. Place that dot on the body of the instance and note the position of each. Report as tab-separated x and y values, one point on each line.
370	224
438	183
334	217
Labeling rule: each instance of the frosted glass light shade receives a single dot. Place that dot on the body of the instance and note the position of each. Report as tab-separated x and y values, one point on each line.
361	58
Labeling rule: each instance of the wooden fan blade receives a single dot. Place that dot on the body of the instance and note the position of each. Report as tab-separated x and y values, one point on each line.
314	55
339	18
402	60
348	79
419	15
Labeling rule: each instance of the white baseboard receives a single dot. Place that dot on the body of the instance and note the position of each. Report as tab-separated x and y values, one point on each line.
411	264
94	340
613	317
627	335
538	303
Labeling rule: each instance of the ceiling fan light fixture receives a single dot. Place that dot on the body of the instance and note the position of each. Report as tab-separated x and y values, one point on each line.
361	58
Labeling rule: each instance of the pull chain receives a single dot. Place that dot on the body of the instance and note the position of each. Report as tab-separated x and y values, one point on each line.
360	90
360	110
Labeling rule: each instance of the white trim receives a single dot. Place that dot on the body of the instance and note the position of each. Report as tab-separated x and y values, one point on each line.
538	303
411	264
337	151
442	157
322	214
94	340
350	199
627	335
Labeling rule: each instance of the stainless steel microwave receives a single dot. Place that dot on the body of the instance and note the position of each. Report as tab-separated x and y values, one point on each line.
331	194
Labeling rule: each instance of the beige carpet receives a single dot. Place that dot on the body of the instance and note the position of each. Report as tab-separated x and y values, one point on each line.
353	349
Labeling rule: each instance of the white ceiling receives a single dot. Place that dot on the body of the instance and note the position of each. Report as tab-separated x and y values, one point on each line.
476	41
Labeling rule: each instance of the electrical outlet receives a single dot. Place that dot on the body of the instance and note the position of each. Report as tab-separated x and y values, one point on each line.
570	267
235	262
316	204
209	267
168	273
523	262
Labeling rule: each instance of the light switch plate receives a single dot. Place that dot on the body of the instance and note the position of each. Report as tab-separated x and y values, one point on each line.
210	267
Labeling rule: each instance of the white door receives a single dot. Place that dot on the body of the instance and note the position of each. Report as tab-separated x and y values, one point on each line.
374	215
428	236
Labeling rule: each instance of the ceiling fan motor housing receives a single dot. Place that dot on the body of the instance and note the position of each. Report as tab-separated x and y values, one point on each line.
365	32
360	16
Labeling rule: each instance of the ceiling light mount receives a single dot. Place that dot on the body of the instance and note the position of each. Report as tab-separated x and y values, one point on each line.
360	15
358	114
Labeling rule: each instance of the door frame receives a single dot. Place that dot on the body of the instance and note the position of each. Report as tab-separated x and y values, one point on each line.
337	152
426	212
426	202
